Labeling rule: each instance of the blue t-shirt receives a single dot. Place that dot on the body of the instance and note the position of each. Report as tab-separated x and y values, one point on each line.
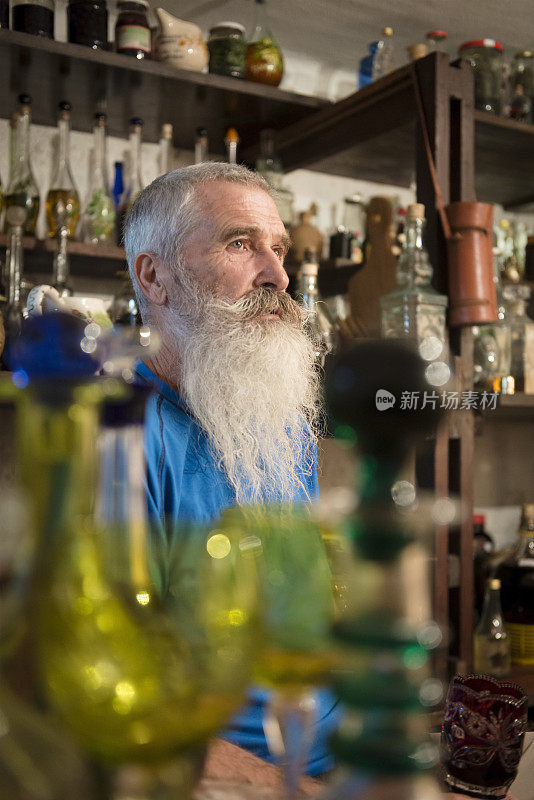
185	484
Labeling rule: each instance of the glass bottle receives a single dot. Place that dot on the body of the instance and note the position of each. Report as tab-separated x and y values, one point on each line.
88	23
522	72
365	71
165	149
483	547
414	311
264	61
516	297
269	166
517	596
62	200
436	41
317	323
201	145
520	105
383	58
118	185
134	184
22	189
231	141
35	17
491	653
99	214
13	313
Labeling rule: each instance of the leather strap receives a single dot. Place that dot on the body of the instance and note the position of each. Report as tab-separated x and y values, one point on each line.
429	157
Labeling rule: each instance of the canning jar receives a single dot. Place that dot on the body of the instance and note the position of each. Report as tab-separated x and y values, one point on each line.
132	31
88	23
486	59
227	48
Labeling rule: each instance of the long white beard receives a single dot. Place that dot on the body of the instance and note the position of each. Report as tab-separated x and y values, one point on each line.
252	386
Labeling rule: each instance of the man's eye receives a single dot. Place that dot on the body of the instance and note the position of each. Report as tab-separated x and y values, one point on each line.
279	251
238	244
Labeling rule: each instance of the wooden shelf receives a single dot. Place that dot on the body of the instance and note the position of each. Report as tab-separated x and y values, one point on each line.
123	87
371	135
85	259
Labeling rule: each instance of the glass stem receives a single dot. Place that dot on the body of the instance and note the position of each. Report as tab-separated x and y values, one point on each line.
289	724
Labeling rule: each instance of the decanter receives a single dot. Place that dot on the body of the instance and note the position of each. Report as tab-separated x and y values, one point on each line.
99	215
21	188
63	200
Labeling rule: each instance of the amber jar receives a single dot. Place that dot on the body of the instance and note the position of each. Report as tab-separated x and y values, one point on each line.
132	31
88	23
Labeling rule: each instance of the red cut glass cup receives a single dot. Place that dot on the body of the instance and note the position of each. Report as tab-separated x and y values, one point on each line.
482	735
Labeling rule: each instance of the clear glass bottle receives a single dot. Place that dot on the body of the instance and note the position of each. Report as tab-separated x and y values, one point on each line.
491	652
99	214
231	141
517	596
269	166
318	324
201	146
264	61
135	183
165	149
383	58
22	189
13	313
414	311
62	200
516	297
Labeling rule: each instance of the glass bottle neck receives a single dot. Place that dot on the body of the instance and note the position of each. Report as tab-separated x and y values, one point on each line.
231	152
164	155
413	267
99	178
491	611
136	181
261	29
14	266
201	149
308	289
62	177
23	147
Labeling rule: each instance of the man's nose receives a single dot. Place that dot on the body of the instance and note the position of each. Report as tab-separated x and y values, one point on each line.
271	273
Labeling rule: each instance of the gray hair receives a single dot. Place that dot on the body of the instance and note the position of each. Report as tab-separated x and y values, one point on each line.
165	213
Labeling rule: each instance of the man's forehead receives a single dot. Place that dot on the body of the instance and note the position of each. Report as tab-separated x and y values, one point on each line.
232	205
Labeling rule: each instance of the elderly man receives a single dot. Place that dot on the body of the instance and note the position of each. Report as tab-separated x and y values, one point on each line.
234	413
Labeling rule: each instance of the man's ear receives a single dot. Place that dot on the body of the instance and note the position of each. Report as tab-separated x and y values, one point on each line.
148	271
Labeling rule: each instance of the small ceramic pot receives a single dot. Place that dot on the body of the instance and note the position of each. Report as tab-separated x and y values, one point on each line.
180	43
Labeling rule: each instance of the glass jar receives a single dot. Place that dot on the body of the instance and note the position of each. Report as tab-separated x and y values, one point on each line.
227	48
132	31
88	23
486	59
36	17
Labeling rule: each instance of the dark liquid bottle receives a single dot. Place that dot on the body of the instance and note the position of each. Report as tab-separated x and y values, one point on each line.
517	593
36	17
4	13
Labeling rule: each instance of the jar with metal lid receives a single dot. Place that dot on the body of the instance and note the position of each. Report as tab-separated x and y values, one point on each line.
227	48
132	31
486	59
88	23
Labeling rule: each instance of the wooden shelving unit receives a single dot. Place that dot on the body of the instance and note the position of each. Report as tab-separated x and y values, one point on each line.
123	87
373	134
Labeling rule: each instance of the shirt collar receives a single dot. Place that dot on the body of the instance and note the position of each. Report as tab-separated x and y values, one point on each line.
146	375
